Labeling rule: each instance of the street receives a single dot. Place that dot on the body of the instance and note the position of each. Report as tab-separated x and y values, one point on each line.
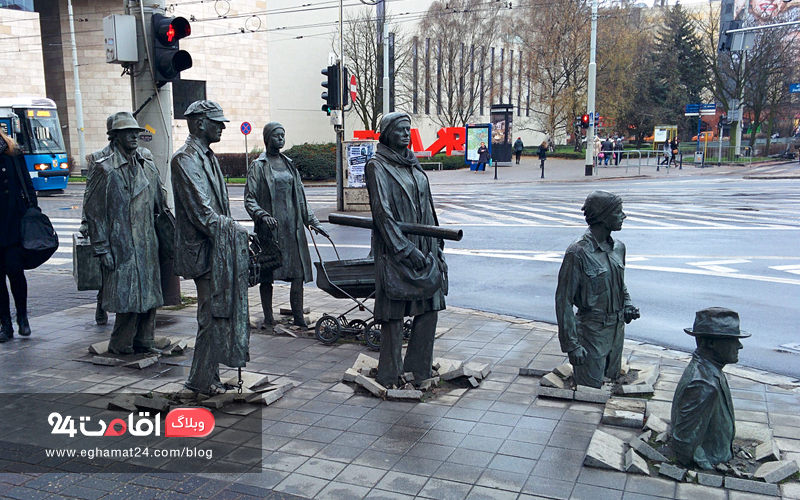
692	243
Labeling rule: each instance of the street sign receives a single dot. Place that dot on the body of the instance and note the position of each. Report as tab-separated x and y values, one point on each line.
246	128
692	110
700	109
794	88
353	88
708	109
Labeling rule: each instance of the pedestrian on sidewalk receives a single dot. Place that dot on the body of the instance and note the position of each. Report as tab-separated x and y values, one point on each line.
618	148
518	146
276	201
483	158
608	150
597	146
213	251
667	154
124	196
592	279
542	152
12	207
674	147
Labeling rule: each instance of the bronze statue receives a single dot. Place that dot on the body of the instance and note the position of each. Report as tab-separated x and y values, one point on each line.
124	195
211	248
410	275
592	279
703	422
275	199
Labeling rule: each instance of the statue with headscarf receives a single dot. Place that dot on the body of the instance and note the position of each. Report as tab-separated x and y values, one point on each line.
276	200
592	281
409	268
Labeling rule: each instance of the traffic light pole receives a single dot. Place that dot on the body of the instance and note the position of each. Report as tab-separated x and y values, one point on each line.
589	165
155	115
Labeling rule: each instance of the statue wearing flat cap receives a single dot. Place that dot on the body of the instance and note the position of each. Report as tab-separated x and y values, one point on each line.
703	422
124	195
592	301
210	248
275	199
406	264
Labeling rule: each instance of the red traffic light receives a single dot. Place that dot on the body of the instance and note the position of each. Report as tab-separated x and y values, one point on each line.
169	30
585	121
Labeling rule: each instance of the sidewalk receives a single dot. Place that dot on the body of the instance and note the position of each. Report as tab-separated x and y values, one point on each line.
325	441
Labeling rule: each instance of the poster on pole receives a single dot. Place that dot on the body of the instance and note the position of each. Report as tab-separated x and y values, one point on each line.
357	153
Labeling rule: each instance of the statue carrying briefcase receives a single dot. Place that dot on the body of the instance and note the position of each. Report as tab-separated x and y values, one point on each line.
85	266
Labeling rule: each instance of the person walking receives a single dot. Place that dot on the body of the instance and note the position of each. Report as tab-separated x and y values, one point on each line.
13	206
276	201
608	150
597	146
667	153
518	148
618	148
675	151
124	195
542	152
483	157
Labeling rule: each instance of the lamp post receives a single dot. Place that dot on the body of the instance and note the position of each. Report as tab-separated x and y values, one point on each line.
591	93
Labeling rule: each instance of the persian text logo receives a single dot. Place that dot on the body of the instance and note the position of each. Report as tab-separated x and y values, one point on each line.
180	422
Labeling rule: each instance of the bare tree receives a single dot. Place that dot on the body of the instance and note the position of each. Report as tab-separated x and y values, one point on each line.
362	58
555	39
457	30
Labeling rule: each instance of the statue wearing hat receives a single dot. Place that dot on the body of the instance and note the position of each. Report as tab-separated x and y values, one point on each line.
211	249
703	422
406	264
124	195
275	199
592	280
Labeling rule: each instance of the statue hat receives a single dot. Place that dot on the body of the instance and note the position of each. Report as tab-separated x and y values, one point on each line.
716	322
599	204
209	109
122	121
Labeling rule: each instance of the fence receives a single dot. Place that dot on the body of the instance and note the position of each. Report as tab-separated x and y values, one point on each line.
708	157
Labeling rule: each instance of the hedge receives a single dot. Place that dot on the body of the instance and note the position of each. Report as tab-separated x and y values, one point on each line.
314	161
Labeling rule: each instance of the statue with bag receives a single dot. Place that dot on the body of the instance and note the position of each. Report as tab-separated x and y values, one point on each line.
411	274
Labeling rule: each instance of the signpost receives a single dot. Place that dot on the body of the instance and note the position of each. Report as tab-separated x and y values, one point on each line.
699	110
246	129
794	88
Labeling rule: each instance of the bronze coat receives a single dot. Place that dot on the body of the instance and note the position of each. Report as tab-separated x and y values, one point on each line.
121	213
201	201
392	200
259	193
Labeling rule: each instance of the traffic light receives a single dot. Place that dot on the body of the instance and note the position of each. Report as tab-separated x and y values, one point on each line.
332	96
585	121
345	87
723	120
168	59
726	40
596	121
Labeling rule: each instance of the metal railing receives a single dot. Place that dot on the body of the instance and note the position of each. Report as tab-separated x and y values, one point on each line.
708	156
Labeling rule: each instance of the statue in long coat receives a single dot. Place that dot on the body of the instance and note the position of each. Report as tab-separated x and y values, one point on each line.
124	197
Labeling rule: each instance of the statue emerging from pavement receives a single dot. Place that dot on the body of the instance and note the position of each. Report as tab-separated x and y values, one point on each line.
410	269
592	279
210	248
124	195
703	422
275	199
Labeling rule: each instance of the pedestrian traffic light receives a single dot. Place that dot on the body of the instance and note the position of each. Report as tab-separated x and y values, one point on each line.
345	87
596	120
332	96
585	121
168	60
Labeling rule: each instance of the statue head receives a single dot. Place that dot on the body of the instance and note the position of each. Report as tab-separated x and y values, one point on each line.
123	130
395	129
274	137
602	207
717	333
206	121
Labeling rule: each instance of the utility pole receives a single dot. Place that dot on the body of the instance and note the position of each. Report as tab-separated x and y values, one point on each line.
383	41
589	165
78	98
153	110
339	124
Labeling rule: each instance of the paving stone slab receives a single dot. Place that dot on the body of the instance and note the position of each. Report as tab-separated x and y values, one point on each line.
752	431
563	371
482	369
218	401
371	385
350	375
592	395
774	472
552	392
750	486
533	372
106	361
646	450
552	380
768	451
648	374
156	404
707	479
635	464
605	452
123	402
99	348
671	471
624	412
404	395
250	380
141	364
655	424
635	390
365	363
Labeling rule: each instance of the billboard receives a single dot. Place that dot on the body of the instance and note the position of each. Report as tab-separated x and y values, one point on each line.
759	12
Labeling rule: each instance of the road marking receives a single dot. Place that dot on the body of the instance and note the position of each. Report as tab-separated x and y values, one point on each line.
792	268
718	265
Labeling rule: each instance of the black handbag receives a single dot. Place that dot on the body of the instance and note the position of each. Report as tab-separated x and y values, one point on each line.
270	255
403	283
39	239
